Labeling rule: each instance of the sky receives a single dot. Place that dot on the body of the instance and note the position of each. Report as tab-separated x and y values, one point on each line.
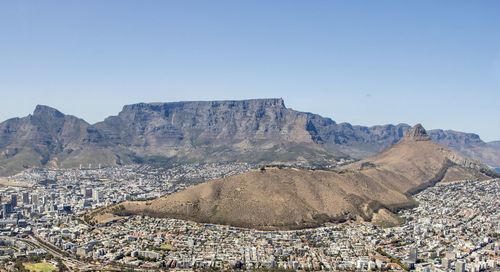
362	62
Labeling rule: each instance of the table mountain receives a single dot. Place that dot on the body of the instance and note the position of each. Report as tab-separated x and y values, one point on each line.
257	130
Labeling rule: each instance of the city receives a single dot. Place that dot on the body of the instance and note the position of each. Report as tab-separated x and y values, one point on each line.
266	136
455	227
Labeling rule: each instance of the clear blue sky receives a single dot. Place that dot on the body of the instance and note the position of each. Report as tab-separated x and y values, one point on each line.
363	62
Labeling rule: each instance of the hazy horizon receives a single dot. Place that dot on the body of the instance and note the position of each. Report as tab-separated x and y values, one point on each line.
371	63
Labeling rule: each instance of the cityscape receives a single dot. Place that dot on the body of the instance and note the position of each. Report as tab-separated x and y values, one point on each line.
249	136
455	228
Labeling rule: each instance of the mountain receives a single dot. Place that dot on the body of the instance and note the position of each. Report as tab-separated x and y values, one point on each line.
297	198
31	141
470	145
418	162
257	130
50	138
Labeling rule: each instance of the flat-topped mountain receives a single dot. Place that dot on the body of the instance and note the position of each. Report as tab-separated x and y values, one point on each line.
257	130
296	198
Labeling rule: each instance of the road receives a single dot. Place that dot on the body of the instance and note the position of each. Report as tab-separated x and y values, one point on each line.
72	264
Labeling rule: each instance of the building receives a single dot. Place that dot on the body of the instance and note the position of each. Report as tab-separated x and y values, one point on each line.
460	266
150	255
26	198
34	199
96	195
87	192
13	200
446	263
6	210
413	255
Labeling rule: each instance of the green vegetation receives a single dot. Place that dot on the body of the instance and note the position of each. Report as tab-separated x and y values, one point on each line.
393	259
87	218
39	267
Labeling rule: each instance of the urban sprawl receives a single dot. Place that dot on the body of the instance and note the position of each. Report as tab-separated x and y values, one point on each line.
44	213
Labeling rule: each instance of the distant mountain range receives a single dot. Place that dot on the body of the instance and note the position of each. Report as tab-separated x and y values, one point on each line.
258	130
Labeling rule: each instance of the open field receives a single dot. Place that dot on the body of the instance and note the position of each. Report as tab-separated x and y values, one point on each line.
9	182
40	267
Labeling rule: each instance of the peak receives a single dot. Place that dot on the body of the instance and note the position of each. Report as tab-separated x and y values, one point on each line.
417	133
42	110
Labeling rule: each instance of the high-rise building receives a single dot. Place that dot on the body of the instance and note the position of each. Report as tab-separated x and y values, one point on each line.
87	192
413	254
460	266
34	199
26	198
96	195
6	210
13	200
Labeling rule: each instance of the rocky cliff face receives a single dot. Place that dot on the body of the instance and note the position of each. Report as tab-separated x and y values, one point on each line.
261	124
258	130
469	145
170	124
417	133
33	140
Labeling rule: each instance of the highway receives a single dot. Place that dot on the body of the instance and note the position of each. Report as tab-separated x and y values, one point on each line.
72	264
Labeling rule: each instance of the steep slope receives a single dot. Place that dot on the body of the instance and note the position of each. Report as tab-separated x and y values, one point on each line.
295	198
469	145
260	129
50	138
416	162
257	130
31	141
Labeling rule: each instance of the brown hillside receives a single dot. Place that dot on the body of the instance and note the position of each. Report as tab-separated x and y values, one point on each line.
416	161
293	198
286	198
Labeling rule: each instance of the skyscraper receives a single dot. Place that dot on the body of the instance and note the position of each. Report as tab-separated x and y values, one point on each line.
13	200
26	198
6	210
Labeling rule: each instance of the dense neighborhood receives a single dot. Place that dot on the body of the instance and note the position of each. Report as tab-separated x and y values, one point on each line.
455	227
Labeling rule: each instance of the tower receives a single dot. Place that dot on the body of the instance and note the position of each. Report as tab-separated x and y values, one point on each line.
13	200
7	209
26	198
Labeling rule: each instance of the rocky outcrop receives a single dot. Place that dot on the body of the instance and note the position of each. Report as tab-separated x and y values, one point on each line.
417	133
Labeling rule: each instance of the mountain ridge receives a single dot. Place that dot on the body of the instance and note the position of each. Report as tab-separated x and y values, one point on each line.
256	130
